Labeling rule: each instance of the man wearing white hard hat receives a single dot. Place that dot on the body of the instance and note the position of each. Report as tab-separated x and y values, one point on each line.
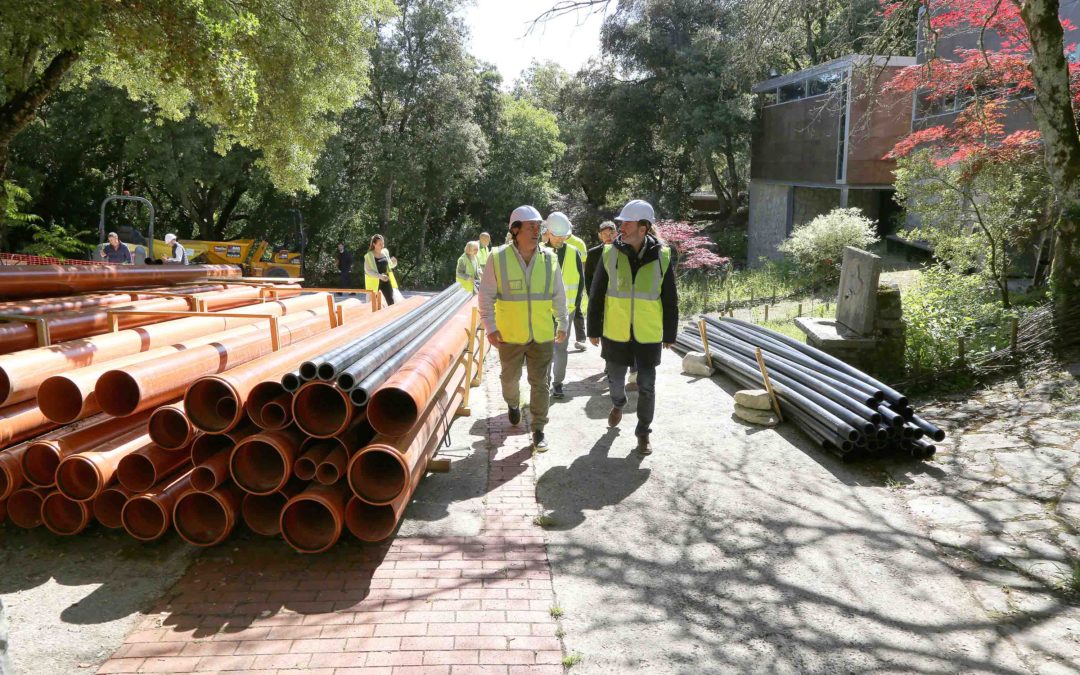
634	311
558	227
521	289
177	252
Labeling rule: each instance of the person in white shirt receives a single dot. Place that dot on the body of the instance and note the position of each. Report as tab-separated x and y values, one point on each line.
177	252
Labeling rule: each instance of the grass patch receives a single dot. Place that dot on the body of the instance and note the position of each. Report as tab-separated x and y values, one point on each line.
556	612
1070	583
571	660
543	521
560	633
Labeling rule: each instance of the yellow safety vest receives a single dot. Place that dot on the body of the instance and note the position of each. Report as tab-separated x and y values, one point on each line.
482	256
578	243
523	307
372	283
571	278
466	273
634	301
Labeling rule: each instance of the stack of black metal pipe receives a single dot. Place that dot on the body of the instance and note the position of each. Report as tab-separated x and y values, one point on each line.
844	410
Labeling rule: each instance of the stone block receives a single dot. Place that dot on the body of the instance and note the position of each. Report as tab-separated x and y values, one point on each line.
760	417
697	364
857	304
758	399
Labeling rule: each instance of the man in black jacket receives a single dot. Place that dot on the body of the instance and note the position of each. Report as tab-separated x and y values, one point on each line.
607	236
634	309
344	265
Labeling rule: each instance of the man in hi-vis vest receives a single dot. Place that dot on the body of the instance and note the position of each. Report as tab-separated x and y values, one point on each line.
521	289
634	308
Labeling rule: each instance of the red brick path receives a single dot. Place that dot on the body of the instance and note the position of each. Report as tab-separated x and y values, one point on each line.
452	605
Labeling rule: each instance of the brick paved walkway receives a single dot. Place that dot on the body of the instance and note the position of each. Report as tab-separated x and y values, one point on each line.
454	605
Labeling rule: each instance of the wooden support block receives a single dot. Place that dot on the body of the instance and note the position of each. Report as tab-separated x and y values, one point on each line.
704	339
439	466
275	334
768	383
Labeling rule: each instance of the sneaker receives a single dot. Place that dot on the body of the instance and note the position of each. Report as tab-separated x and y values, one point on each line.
614	417
580	346
643	445
515	416
556	391
540	443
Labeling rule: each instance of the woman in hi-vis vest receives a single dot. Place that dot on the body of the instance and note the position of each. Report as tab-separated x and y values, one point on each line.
468	267
379	269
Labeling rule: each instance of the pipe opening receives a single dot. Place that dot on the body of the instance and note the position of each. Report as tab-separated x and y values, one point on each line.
346	381
392	411
203	478
258	467
326	372
144	518
169	428
60	399
40	464
291	381
5	386
274	416
308	371
262	513
309	526
331	468
118	393
208	445
7	481
205	407
107	507
201	519
24	508
78	478
312	454
358	397
262	394
367	522
321	410
377	476
64	516
136	472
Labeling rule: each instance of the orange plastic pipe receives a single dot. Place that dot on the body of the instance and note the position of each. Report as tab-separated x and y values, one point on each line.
23	372
395	407
332	467
237	384
170	428
109	504
311	456
64	516
211	473
275	413
322	410
145	467
95	321
29	281
21	421
44	454
262	513
383	471
11	472
375	522
40	306
83	476
262	463
148	384
207	518
147	516
24	506
206	446
312	521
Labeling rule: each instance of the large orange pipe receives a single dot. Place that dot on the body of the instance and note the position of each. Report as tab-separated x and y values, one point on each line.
43	455
322	410
83	476
144	468
147	516
65	326
24	506
69	396
64	516
395	407
262	463
262	513
110	504
375	522
148	384
310	457
30	281
332	467
383	471
312	521
21	421
236	385
269	405
11	472
23	372
207	518
206	446
170	428
211	473
40	306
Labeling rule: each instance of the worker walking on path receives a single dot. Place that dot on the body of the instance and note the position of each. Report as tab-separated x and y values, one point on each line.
635	310
379	269
577	316
467	271
559	227
485	249
521	289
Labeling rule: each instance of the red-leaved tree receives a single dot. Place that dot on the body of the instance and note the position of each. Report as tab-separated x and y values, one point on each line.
693	248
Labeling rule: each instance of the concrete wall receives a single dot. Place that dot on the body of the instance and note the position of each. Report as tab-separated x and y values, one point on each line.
868	201
813	202
770	214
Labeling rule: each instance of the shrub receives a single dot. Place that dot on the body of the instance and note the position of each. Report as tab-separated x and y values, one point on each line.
818	246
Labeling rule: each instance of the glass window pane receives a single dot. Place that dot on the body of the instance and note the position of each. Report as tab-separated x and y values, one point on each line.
792	92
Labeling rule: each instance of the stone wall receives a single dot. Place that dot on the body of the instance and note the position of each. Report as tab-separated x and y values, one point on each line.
770	220
887	357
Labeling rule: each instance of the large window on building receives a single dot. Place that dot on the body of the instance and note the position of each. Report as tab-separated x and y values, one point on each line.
821	84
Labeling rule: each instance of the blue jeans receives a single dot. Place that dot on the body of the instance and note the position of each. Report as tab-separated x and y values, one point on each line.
646	381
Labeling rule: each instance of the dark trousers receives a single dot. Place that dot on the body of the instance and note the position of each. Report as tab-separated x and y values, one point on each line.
646	381
387	292
344	279
579	326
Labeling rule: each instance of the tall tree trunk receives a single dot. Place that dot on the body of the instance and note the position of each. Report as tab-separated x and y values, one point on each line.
1056	119
714	179
423	237
226	213
733	170
388	204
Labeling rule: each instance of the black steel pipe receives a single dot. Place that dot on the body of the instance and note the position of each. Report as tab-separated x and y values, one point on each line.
931	430
890	416
292	381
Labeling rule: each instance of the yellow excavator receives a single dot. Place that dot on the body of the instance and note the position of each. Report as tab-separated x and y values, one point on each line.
256	257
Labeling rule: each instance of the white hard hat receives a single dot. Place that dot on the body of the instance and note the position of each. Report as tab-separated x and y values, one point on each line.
558	224
523	213
170	237
638	209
